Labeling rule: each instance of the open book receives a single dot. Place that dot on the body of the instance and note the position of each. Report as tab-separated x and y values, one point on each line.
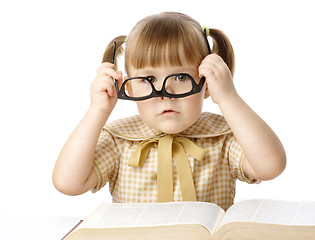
245	220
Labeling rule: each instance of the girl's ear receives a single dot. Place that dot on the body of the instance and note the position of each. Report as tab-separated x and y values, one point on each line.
207	94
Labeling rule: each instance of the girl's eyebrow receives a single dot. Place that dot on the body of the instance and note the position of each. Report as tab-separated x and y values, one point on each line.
184	69
156	71
145	71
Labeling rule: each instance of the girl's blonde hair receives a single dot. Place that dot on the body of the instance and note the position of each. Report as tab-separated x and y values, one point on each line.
158	38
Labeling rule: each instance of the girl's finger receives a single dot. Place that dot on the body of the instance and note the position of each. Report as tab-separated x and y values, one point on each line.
107	69
105	86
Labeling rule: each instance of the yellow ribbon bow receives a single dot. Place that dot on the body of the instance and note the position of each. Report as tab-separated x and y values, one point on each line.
168	147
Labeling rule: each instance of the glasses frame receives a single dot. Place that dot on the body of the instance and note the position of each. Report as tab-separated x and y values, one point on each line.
196	88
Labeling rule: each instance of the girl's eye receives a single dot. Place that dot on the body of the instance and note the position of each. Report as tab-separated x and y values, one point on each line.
181	78
151	79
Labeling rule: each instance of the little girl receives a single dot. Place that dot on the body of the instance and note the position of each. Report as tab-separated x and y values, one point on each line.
171	151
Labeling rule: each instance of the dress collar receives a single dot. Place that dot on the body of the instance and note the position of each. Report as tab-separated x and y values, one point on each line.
133	128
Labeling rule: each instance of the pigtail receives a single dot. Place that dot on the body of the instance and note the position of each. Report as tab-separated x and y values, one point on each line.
108	54
223	47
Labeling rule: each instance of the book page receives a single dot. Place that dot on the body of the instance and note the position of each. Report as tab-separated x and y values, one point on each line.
305	214
207	214
271	211
149	214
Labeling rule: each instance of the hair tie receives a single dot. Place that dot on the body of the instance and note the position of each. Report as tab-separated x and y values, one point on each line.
206	34
206	31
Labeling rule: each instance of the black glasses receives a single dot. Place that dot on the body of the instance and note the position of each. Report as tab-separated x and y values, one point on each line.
174	86
177	85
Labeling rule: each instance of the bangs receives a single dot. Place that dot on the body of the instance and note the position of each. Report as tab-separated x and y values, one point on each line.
165	40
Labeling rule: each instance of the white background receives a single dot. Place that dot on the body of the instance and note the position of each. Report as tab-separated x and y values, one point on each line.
49	53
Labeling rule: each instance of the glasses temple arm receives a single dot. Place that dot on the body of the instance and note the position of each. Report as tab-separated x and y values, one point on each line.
206	37
113	62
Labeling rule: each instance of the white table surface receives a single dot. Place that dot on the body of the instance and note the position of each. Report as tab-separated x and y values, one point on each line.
35	227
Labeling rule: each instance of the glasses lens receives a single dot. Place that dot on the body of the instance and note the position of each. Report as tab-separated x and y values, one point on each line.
178	84
138	87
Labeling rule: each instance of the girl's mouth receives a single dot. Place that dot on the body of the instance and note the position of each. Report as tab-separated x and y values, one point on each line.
168	112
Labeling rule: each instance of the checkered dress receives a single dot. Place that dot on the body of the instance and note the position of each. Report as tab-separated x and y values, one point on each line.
214	177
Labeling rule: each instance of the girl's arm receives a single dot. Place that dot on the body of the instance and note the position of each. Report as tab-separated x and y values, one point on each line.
265	156
74	173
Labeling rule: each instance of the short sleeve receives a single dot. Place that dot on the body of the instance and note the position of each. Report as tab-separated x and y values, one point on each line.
105	160
236	158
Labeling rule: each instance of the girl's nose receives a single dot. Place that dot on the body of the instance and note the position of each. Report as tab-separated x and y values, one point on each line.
158	85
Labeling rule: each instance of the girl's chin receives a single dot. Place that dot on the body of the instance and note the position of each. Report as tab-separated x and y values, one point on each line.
171	129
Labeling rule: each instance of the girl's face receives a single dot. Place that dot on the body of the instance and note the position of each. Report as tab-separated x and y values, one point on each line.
169	115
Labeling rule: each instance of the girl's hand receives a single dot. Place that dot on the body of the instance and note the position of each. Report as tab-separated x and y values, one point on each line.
218	78
103	90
